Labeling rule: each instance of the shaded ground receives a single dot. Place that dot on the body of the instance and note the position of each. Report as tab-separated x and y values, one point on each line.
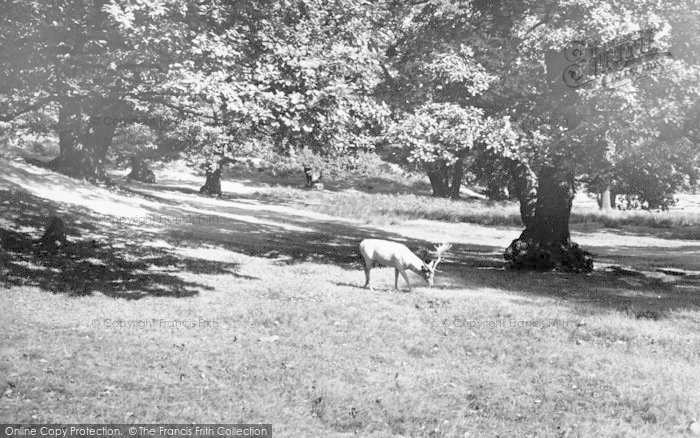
100	256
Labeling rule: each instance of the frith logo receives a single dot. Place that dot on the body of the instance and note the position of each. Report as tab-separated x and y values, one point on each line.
615	63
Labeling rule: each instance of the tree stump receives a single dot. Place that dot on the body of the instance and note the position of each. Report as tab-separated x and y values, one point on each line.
54	237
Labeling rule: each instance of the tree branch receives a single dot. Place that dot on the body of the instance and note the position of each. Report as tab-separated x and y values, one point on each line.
33	107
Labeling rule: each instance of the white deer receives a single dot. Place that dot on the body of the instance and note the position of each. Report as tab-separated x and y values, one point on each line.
399	257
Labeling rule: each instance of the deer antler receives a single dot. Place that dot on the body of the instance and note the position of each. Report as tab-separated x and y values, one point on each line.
439	251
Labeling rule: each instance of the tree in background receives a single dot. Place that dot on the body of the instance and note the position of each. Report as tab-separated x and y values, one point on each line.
439	139
644	136
569	153
302	78
509	41
317	64
431	77
96	62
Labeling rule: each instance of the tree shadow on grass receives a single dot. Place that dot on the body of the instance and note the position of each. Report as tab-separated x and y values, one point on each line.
645	293
131	260
114	260
300	238
294	238
288	238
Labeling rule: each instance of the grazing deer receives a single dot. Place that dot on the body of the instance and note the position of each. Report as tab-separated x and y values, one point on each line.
401	258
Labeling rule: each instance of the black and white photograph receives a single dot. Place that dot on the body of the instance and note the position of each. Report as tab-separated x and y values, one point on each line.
349	218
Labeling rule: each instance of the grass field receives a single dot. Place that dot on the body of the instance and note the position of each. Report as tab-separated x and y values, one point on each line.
387	202
171	307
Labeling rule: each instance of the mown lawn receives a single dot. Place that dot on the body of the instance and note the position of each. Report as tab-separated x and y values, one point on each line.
259	317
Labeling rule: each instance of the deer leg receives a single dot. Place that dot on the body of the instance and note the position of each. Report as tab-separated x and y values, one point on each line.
405	277
367	285
396	278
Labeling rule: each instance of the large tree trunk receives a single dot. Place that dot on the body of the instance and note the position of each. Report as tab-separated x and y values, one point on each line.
605	201
439	181
83	146
546	243
212	186
445	180
611	198
525	188
457	175
607	196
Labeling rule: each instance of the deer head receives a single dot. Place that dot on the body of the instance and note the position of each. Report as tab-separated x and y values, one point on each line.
431	266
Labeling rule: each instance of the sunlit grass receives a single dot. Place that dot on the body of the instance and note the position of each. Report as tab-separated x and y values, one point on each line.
378	208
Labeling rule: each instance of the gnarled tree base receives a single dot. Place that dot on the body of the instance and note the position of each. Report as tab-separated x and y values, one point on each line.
546	243
527	253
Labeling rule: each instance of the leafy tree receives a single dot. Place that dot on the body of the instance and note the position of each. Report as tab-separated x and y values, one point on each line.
95	61
431	81
644	144
509	41
440	137
302	77
132	140
573	151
